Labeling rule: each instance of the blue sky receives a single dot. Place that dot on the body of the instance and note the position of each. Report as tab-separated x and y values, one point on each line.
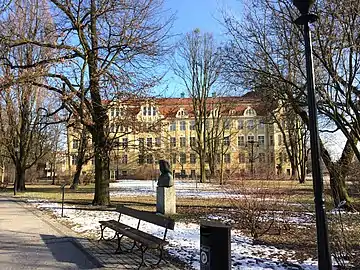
192	14
201	14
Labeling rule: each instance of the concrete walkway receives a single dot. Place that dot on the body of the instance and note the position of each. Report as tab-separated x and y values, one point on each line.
29	242
31	239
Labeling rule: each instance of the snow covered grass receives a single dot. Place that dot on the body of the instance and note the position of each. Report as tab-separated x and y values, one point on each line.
184	189
184	241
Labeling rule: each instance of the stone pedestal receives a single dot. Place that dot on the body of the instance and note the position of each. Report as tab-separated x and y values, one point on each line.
166	200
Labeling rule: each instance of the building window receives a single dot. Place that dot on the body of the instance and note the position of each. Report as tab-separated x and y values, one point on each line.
182	141
125	143
250	112
241	140
172	142
218	158
227	124
227	158
124	173
75	144
141	143
144	110
182	125
183	158
154	111
251	138
192	158
149	159
158	142
192	141
141	159
149	142
192	125
149	110
285	157
250	124
227	141
261	140
240	124
112	112
192	174
279	139
241	158
271	140
73	160
172	126
183	173
262	157
272	157
173	158
261	124
124	159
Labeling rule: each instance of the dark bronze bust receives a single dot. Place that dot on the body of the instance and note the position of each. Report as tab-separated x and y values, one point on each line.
165	178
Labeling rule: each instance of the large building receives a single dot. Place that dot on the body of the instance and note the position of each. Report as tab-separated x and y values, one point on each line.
147	130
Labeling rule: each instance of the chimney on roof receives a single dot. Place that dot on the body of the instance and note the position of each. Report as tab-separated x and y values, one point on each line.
182	95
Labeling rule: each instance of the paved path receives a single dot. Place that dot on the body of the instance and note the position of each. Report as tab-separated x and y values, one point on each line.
30	239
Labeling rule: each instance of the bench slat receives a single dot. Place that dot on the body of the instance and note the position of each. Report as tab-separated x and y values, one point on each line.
148	217
139	236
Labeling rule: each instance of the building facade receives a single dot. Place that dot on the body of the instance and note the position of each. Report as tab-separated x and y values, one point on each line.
246	141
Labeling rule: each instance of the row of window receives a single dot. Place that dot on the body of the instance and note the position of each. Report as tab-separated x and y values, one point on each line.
183	142
182	158
250	124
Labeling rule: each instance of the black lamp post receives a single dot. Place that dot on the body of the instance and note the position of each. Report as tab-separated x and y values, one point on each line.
324	255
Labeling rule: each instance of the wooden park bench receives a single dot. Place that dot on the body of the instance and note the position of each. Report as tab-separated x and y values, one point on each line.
142	240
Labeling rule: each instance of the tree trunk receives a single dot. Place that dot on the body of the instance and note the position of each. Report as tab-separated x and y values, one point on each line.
202	169
102	174
338	171
20	178
100	118
76	179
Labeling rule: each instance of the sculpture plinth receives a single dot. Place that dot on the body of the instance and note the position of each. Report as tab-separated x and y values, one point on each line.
165	191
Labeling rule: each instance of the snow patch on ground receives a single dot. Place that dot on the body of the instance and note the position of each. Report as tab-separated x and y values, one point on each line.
184	241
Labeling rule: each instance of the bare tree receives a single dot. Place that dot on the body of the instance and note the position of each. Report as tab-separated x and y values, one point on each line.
266	54
24	109
103	49
198	66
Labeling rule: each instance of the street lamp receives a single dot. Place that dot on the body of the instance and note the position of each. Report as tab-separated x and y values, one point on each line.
324	255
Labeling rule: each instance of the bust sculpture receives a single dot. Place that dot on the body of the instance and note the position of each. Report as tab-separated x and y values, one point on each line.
165	178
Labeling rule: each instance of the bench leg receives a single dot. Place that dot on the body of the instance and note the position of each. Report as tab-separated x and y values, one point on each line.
143	250
102	228
102	234
119	250
160	257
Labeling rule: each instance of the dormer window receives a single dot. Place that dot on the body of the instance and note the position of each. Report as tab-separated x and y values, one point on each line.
250	112
181	113
149	110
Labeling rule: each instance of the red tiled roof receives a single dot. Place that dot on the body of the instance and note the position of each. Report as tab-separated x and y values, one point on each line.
233	105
